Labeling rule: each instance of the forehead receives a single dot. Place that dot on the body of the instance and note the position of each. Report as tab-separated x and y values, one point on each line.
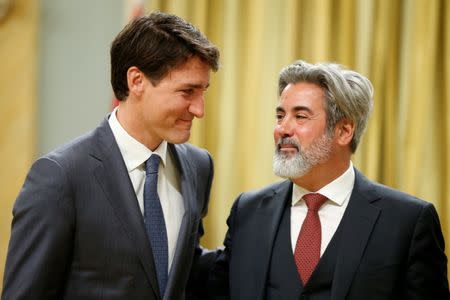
192	72
302	94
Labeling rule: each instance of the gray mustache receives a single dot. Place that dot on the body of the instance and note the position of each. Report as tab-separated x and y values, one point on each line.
287	140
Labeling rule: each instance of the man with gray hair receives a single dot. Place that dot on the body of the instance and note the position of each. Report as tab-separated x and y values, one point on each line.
327	232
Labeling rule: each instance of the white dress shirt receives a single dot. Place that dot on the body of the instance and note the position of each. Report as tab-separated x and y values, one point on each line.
330	213
135	155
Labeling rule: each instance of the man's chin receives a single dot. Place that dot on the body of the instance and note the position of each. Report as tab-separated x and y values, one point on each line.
180	137
287	156
288	167
288	174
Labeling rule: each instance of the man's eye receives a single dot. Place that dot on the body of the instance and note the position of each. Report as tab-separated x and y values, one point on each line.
279	117
301	117
188	91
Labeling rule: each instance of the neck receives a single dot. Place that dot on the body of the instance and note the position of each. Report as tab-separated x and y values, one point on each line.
131	119
322	174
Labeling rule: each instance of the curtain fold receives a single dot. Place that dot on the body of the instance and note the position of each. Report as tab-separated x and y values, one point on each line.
443	86
18	96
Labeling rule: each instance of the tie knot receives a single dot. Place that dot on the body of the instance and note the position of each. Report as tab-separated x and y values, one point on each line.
314	201
152	164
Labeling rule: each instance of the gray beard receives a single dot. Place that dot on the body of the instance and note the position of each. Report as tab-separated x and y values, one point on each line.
297	165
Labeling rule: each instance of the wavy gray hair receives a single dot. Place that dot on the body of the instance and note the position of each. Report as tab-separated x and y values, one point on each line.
349	95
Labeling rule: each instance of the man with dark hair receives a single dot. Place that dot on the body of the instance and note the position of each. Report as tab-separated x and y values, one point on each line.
327	232
117	213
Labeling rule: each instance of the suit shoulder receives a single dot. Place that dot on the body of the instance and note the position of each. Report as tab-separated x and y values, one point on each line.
386	195
401	205
396	196
99	140
75	155
75	149
255	196
268	189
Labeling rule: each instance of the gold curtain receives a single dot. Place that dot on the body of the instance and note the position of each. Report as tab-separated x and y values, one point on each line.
18	53
402	46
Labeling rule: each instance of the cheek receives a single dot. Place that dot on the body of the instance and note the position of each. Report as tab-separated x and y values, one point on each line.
179	107
307	136
304	132
170	113
276	133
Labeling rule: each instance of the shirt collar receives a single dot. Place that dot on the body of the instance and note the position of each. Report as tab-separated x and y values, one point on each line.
133	152
337	191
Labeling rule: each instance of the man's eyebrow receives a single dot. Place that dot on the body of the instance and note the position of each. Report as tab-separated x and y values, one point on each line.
302	108
295	109
279	109
195	85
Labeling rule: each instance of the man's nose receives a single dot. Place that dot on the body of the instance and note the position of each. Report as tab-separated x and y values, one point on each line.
285	128
197	107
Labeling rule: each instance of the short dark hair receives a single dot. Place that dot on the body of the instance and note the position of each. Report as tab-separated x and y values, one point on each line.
156	44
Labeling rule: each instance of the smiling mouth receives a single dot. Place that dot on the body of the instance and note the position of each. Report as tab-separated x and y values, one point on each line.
185	123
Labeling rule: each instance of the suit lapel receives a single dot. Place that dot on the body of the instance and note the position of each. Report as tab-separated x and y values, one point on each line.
358	222
187	183
112	176
269	213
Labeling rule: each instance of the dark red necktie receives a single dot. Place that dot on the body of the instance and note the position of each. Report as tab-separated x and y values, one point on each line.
307	249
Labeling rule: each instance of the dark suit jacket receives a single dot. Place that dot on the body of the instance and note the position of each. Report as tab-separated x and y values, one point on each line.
391	245
78	232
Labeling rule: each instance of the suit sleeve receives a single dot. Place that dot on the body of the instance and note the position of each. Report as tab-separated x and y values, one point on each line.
209	181
206	172
202	257
218	279
214	280
40	246
427	263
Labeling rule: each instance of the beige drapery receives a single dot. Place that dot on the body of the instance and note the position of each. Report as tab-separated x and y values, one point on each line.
18	96
402	46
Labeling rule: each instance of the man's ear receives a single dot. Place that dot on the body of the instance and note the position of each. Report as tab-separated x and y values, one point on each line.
344	131
135	81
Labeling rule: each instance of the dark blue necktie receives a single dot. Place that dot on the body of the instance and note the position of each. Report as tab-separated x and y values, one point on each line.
154	221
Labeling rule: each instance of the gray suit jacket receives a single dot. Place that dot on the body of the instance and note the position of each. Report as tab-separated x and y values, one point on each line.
391	247
78	232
